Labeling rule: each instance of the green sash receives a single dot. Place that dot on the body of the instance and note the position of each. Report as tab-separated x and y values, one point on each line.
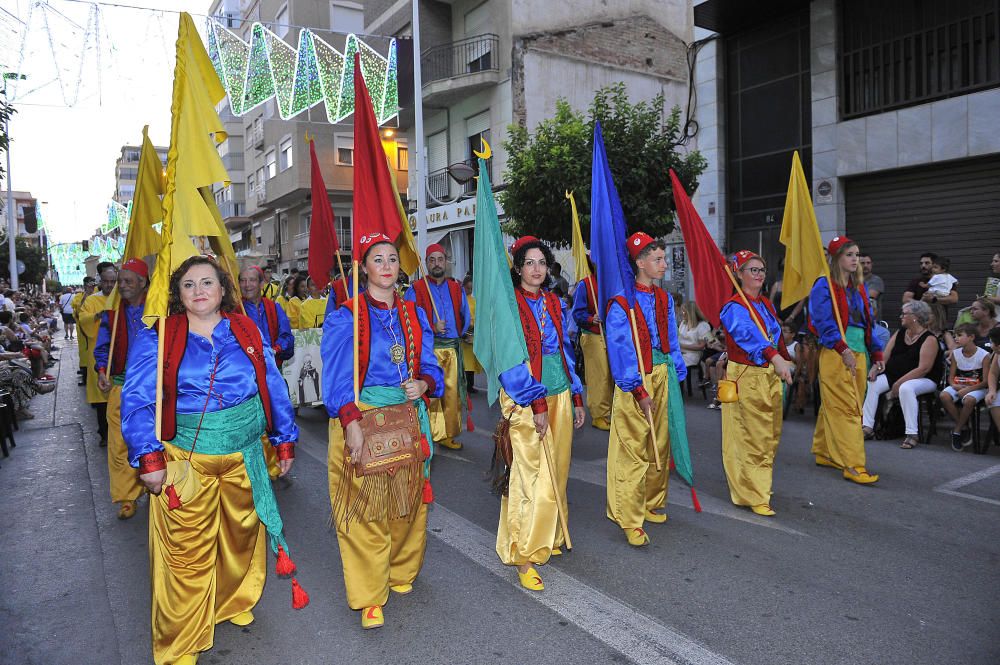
677	425
660	358
554	374
238	430
379	396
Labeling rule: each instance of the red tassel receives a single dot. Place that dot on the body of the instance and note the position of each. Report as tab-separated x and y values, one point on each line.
469	426
428	492
173	501
694	500
284	566
425	447
299	596
672	467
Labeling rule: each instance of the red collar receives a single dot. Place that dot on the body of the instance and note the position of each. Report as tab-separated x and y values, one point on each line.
378	304
528	294
643	287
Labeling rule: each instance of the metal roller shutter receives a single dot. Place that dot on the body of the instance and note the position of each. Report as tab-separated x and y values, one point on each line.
951	209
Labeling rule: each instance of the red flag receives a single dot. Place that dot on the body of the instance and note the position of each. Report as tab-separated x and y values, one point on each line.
323	245
712	287
376	208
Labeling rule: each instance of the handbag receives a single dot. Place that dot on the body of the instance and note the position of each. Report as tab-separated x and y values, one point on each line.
182	482
503	455
728	390
391	440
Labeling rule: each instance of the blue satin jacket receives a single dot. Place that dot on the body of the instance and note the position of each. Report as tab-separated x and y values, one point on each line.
286	340
744	333
133	319
234	384
823	320
622	357
442	298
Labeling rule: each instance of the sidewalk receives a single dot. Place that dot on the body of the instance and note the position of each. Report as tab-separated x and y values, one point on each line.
55	606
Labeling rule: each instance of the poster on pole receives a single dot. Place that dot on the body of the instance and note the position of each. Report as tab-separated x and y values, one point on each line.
303	372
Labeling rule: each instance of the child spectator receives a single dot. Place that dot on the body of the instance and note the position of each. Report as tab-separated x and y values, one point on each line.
966	383
941	281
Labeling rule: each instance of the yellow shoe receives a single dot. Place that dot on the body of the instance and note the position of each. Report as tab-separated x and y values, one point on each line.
825	461
763	509
531	580
401	589
656	518
601	423
187	659
860	475
242	619
371	617
450	443
556	551
126	510
637	537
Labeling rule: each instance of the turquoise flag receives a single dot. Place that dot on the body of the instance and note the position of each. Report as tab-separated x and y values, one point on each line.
499	339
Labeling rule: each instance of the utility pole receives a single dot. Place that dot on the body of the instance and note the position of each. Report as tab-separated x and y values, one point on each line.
418	122
11	219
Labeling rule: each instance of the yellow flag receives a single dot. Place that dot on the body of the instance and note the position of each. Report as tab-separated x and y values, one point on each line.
147	208
805	260
193	166
579	249
409	257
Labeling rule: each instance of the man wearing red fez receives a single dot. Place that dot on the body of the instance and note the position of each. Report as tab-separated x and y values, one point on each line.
443	301
637	491
118	328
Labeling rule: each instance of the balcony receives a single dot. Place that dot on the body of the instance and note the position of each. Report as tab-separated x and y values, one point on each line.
300	245
233	212
441	186
261	194
255	137
452	72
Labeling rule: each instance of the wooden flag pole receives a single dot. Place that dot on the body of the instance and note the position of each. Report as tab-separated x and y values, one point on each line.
642	375
357	304
555	487
343	277
114	334
161	334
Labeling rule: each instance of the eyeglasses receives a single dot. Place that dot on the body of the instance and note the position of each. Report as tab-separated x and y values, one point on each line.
756	272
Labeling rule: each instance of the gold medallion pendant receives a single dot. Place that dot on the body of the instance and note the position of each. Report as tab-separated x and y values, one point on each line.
397	354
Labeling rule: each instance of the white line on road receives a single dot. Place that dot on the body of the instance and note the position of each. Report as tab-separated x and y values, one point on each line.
951	487
640	638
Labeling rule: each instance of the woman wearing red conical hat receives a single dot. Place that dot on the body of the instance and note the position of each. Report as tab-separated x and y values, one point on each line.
758	363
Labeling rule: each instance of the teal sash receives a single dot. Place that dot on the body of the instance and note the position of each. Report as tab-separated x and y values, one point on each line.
677	426
554	374
379	396
456	345
238	430
660	358
856	339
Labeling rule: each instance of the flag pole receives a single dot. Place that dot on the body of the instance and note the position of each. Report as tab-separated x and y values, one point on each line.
343	277
642	375
357	304
161	333
555	487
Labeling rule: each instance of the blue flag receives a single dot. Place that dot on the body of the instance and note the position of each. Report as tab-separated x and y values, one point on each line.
607	232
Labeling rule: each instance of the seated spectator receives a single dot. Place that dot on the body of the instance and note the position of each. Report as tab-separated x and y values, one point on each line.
993	378
715	364
912	367
983	315
693	332
966	383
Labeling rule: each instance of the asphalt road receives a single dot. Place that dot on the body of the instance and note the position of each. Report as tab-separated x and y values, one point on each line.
906	572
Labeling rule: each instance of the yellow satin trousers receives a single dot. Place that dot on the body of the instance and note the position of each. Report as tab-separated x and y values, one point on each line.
375	554
206	559
634	484
751	430
445	412
598	375
838	435
529	515
125	485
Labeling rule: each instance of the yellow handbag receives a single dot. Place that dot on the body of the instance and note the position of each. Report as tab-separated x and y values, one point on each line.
729	390
183	478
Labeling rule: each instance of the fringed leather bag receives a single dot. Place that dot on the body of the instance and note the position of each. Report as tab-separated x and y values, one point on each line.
503	455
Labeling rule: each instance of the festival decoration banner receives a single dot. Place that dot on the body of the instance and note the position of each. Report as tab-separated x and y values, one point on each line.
300	78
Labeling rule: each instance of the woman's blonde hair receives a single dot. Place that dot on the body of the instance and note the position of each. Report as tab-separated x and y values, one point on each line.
692	314
839	275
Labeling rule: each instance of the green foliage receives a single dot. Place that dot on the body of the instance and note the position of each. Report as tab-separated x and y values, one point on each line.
6	111
31	255
642	144
53	286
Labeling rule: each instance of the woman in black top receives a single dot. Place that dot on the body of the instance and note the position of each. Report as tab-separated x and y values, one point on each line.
912	367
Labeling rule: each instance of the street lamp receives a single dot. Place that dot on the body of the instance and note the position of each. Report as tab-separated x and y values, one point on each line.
11	220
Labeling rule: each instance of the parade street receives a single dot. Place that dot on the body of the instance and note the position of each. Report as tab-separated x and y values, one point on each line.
904	572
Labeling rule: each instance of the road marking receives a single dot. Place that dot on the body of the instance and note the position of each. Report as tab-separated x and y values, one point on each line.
594	472
952	487
638	637
441	451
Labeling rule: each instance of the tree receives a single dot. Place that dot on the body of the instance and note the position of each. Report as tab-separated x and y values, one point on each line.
32	257
6	111
642	143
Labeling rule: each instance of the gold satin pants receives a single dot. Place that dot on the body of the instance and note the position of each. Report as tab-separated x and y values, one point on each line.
529	519
838	435
751	430
445	413
206	559
634	484
598	375
125	484
375	554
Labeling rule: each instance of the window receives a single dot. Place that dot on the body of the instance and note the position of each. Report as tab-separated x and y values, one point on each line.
260	178
251	186
283	225
305	222
342	224
285	154
345	149
347	17
270	163
281	21
402	157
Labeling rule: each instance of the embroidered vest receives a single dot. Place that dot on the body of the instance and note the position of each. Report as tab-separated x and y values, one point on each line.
590	288
175	344
840	295
737	354
661	308
365	337
119	330
423	295
533	333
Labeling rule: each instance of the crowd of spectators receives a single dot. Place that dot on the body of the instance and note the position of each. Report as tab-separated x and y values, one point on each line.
27	324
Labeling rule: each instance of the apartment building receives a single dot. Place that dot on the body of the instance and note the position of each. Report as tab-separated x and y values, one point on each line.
489	64
127	169
26	213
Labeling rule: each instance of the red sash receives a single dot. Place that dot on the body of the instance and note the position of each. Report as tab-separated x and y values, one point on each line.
423	295
119	328
661	308
532	332
175	344
271	314
590	288
365	338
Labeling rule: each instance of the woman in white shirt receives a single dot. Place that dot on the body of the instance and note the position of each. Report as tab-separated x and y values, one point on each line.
693	331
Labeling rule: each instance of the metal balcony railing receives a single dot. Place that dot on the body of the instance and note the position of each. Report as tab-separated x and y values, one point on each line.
254	137
231	209
261	194
466	56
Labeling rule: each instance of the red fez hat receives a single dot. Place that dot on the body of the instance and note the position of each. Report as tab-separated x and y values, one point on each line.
521	242
740	258
434	247
366	242
138	266
637	242
837	243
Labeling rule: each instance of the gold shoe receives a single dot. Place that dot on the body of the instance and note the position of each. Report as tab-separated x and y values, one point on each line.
656	518
860	475
637	537
450	443
556	551
825	461
187	659
401	589
126	510
242	619
531	580
600	423
763	509
371	617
